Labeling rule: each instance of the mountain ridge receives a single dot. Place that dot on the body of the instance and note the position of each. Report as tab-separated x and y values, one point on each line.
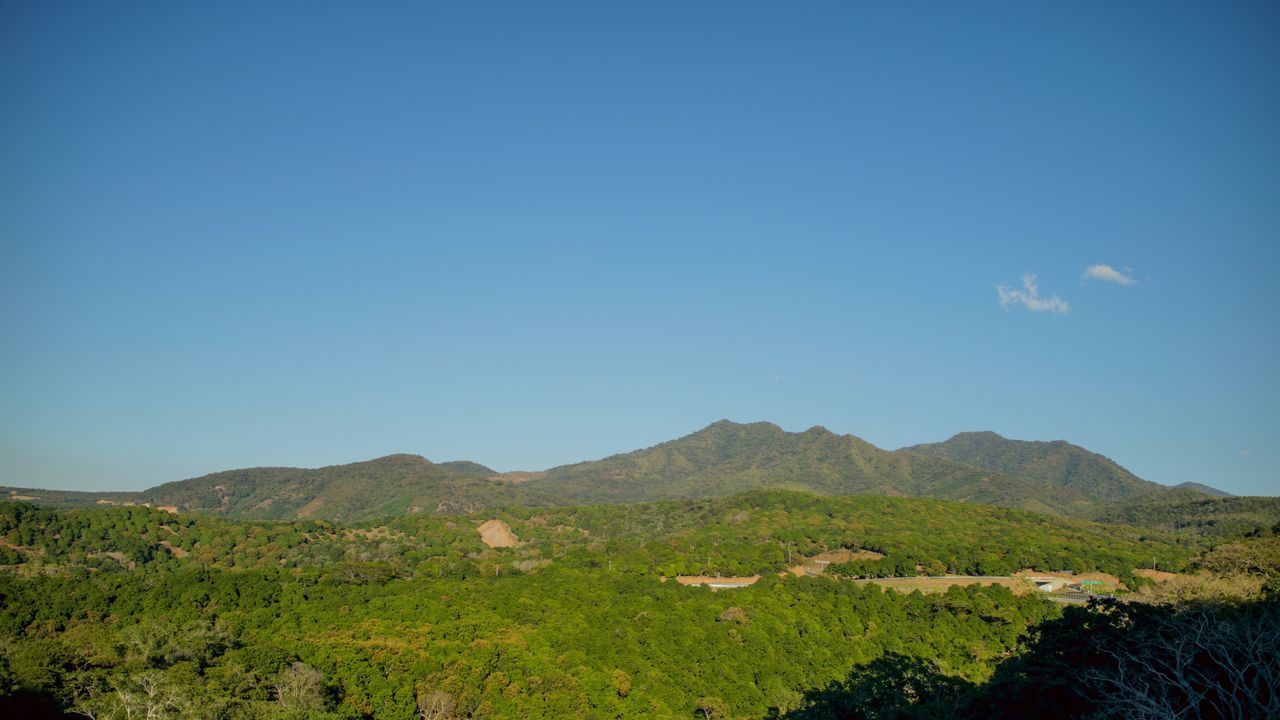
1055	461
721	459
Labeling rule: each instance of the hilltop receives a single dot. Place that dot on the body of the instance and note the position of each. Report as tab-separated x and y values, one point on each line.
392	485
722	459
1057	463
726	458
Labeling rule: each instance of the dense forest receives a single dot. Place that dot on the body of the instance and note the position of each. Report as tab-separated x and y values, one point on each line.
134	612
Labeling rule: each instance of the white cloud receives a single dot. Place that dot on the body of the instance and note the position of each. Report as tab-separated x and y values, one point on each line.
1109	274
1029	297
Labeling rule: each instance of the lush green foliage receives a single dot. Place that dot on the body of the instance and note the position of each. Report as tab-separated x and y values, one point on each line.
1186	512
721	460
130	609
393	485
275	619
1056	463
727	458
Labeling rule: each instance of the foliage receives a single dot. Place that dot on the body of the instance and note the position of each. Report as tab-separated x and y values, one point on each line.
1057	463
120	610
1192	514
1134	660
727	458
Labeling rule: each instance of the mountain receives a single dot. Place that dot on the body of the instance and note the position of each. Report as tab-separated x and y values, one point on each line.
1057	463
726	458
470	469
1189	511
722	459
1203	489
392	485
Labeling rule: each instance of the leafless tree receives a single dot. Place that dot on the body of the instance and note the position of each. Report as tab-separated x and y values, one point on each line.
145	696
300	687
1196	663
436	705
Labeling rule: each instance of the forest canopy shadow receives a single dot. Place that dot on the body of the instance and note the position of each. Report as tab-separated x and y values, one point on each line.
1108	660
892	686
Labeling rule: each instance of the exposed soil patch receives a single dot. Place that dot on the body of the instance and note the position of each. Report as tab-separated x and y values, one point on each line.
817	564
1157	575
1109	582
717	582
174	549
941	584
311	507
515	477
496	533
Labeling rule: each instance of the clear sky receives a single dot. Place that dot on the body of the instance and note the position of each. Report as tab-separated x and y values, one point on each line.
525	234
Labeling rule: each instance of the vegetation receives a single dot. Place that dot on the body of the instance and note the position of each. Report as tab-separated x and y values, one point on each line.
393	485
727	458
369	591
721	460
1191	513
1056	463
110	611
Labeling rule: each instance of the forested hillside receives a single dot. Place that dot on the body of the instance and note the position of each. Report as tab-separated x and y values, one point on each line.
1057	463
392	485
726	458
116	609
1189	512
720	460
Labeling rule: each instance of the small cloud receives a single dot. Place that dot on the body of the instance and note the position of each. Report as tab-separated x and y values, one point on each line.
1106	273
1245	453
1029	297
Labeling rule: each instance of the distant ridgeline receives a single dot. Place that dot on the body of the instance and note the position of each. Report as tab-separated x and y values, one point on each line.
723	459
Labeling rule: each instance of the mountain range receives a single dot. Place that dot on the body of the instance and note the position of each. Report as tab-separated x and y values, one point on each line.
724	458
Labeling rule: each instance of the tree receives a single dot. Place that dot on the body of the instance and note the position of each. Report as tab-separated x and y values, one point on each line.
1203	662
300	687
145	696
712	708
436	705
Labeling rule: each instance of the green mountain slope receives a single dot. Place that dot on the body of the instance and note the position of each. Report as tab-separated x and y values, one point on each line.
1057	463
727	458
388	486
1187	511
470	469
723	459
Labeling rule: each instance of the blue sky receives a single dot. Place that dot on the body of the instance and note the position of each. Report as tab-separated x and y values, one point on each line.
528	234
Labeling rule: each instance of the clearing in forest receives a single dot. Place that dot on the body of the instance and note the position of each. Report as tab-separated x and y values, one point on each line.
496	534
941	584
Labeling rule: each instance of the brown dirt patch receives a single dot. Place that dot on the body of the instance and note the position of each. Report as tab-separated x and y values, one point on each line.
1108	581
173	549
941	584
817	564
841	556
311	507
496	533
1157	575
515	477
721	581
